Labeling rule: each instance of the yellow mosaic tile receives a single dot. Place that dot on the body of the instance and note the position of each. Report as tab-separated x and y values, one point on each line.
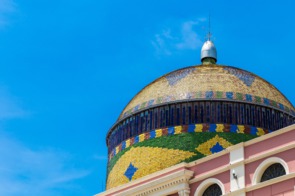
207	78
260	131
159	132
219	127
127	143
141	137
148	160
206	146
241	129
199	128
178	129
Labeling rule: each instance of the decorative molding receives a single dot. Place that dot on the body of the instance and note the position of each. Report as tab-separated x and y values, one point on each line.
271	152
166	185
163	185
185	192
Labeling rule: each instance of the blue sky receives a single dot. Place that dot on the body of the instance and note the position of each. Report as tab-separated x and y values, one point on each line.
68	68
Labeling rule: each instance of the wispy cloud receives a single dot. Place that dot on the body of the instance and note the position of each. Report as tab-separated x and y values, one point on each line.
181	37
24	171
6	8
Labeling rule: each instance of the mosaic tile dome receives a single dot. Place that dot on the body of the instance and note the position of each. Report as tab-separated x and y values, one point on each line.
189	114
210	80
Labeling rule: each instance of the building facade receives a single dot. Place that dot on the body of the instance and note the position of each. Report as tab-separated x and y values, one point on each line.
204	130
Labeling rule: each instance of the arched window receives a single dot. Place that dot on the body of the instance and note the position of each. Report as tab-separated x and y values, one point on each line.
213	190
270	168
273	171
210	187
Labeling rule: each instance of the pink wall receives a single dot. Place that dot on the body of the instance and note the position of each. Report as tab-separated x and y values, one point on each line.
269	144
210	165
251	167
285	188
223	177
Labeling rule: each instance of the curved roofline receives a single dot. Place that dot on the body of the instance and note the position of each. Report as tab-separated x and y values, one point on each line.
151	84
201	66
194	66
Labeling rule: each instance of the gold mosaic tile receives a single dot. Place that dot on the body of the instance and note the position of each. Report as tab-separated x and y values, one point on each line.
207	78
146	160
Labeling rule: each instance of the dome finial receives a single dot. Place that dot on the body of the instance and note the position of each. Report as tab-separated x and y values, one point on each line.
208	52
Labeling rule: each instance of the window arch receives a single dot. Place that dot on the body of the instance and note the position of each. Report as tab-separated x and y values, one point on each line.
273	171
212	190
211	186
270	168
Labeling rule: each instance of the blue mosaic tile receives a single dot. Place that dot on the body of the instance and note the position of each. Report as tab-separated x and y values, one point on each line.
216	148
253	131
229	95
123	145
233	128
152	134
130	171
175	77
266	101
136	107
249	97
171	130
191	128
244	76
150	102
136	139
209	94
212	128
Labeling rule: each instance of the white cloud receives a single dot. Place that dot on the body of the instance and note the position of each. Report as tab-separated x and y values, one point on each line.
181	37
6	7
190	39
24	171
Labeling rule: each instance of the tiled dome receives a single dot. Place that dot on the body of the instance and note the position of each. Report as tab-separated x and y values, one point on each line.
208	82
189	114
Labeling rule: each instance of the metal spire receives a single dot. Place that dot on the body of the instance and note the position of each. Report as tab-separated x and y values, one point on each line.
209	28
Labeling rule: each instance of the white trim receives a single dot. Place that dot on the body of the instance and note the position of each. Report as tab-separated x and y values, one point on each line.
262	184
278	149
206	183
264	165
165	185
270	182
270	135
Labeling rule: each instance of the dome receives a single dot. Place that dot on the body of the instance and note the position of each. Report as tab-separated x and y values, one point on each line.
208	82
189	114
